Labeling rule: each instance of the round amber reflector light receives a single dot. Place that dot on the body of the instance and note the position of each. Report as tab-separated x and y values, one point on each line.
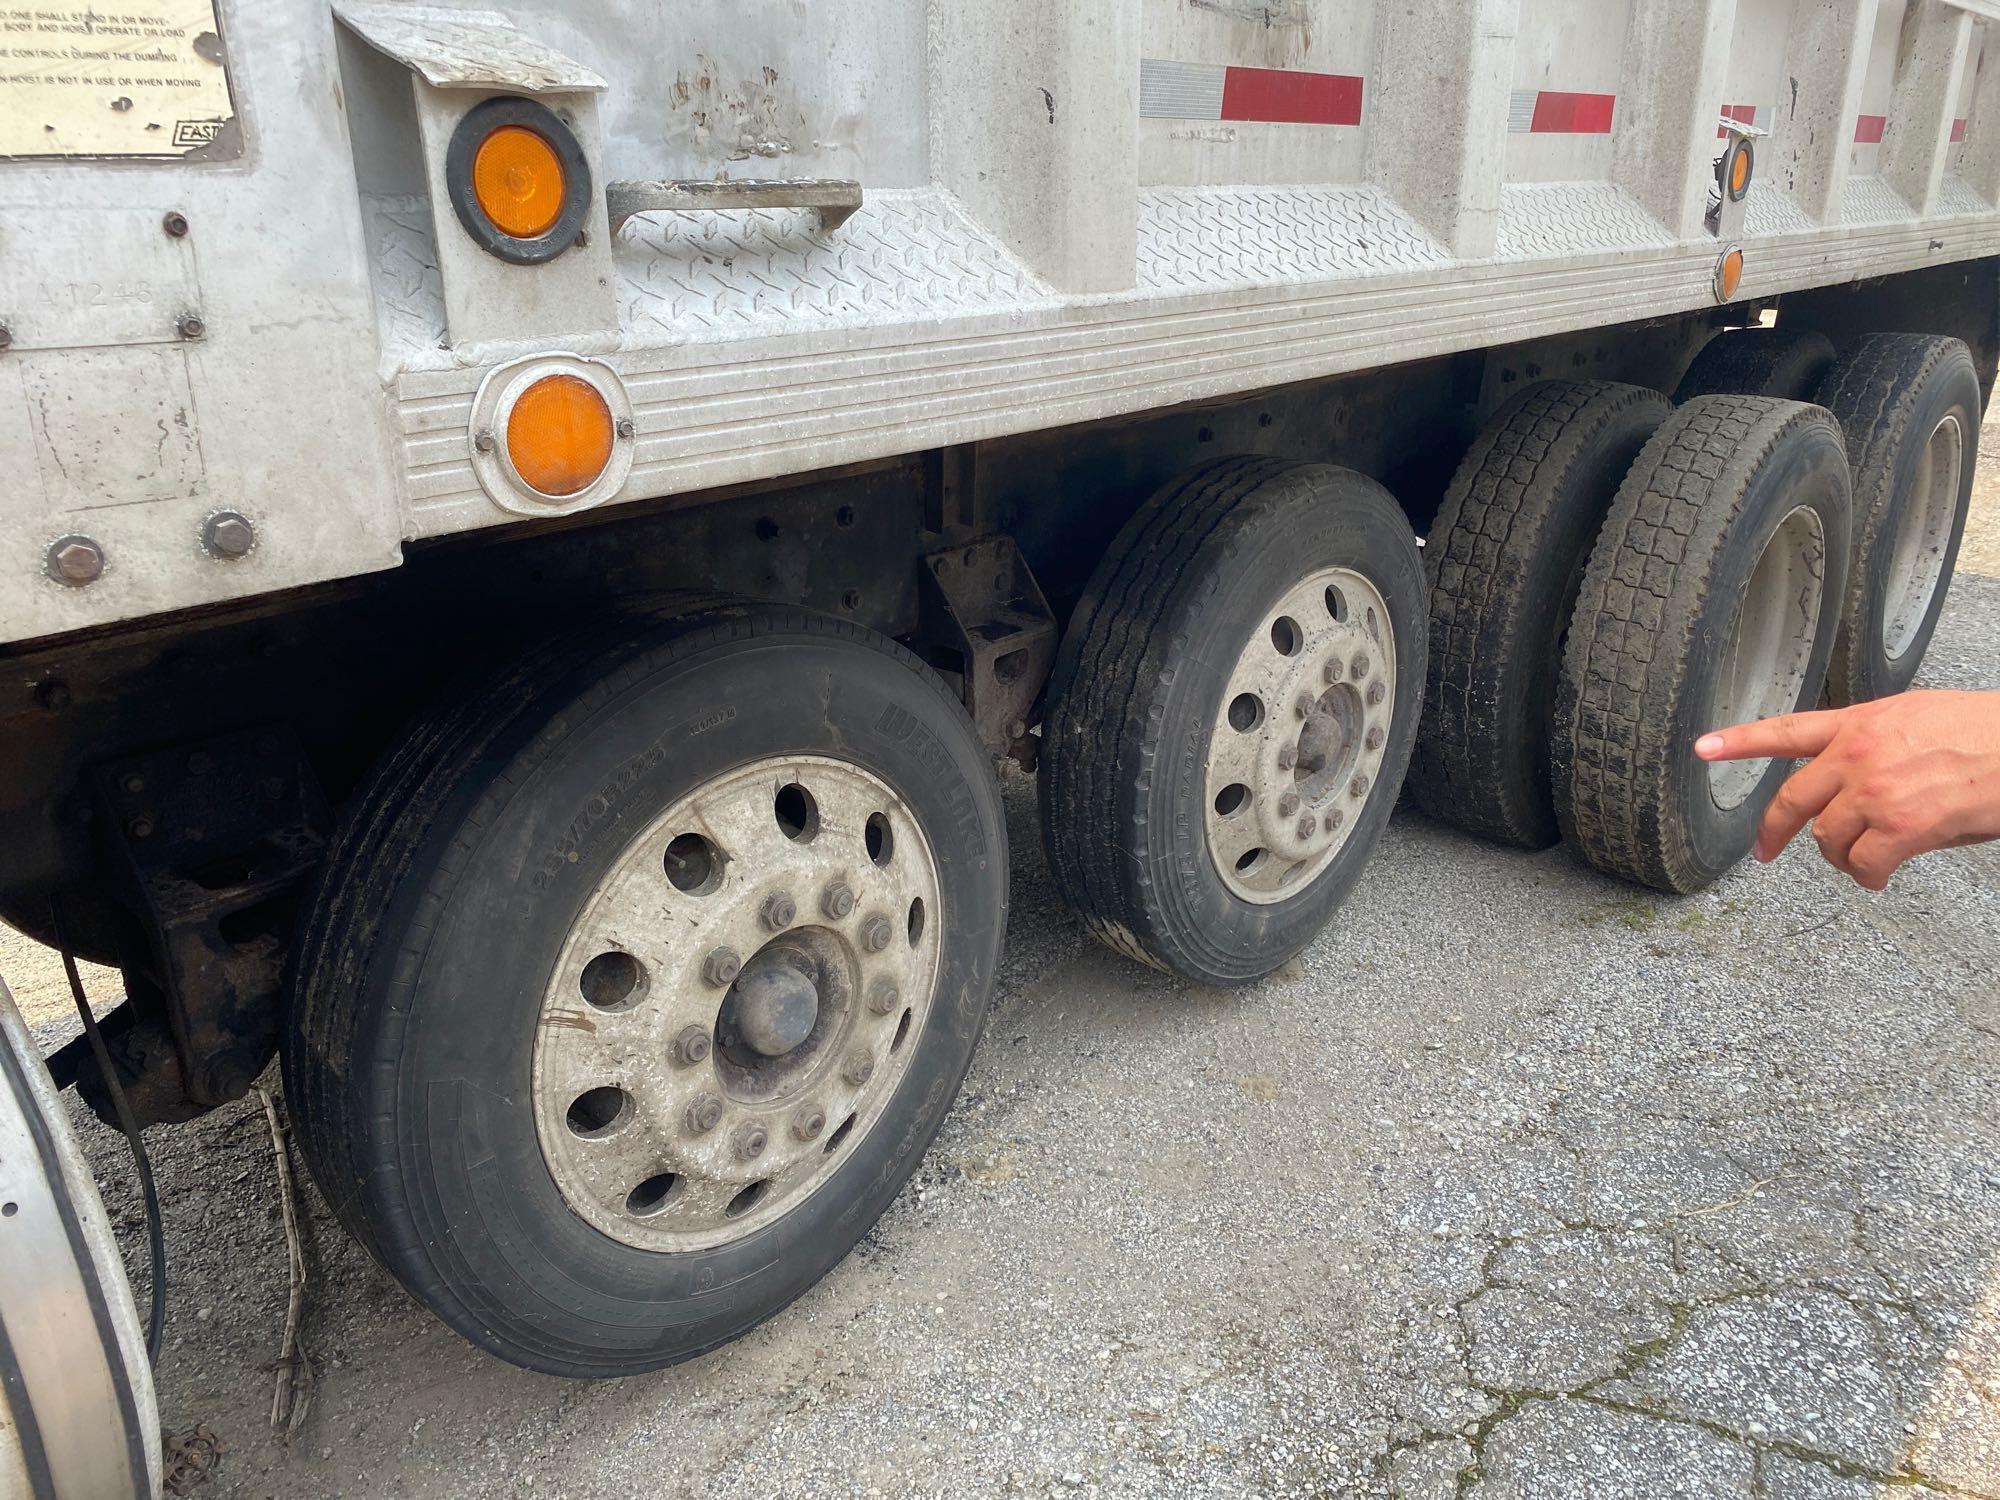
1739	172
1728	276
559	435
517	179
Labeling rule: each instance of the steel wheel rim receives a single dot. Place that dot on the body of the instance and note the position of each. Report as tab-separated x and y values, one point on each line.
1923	532
1770	645
1287	779
665	1150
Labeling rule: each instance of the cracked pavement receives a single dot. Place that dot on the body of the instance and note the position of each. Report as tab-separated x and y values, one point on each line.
1521	1184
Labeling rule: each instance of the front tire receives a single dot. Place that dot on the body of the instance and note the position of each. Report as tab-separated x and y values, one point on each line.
490	1055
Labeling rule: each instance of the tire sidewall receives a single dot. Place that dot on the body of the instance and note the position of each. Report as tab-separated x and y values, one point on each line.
1350	523
452	1032
1811	473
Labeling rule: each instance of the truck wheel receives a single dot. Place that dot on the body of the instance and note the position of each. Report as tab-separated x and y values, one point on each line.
1788	363
639	981
1909	404
1504	562
1233	709
1709	599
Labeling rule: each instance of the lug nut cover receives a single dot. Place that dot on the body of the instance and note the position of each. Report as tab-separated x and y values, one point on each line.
750	1140
1288	804
1304	707
1376	693
883	996
1306	825
721	967
691	1046
837	900
860	1068
808	1122
1374	736
1334	819
778	911
1358	786
704	1113
875	933
1360	665
1333	671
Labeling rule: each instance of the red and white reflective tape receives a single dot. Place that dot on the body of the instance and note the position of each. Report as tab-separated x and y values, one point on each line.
1550	112
1217	91
1869	129
1756	116
1958	130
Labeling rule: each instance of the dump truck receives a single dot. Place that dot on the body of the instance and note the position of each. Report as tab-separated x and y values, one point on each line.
533	535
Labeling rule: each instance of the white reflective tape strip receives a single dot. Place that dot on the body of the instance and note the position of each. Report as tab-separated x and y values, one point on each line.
1180	90
1521	109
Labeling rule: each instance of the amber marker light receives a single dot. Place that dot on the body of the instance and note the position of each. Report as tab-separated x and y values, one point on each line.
1741	160
1728	274
559	435
517	179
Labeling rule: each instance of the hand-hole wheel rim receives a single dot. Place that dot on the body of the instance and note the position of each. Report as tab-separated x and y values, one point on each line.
1770	648
729	1121
1923	537
1286	781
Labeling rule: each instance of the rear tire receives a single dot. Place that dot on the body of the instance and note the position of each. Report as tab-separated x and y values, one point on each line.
1710	598
1909	405
1505	560
449	972
1242	670
1787	363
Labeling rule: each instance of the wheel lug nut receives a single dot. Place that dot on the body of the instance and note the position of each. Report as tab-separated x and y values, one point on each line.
808	1121
1373	739
1287	758
703	1114
837	900
1304	707
875	933
883	996
1306	825
691	1046
1288	804
1360	665
1376	693
1333	671
749	1141
860	1068
778	911
1334	819
1358	786
721	967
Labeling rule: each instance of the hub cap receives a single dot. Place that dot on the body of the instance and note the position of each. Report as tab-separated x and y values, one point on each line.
736	1004
1770	648
1300	735
1916	563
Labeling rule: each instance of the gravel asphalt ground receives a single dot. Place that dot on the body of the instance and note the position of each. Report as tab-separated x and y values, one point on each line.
1520	1184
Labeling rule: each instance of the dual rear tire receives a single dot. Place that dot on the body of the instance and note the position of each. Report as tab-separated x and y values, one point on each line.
1611	578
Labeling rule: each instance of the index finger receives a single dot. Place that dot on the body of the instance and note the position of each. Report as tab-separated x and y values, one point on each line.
1787	737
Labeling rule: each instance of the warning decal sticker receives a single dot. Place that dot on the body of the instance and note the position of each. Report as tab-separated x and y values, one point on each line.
146	78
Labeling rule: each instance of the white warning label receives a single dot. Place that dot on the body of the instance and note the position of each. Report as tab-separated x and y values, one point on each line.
148	78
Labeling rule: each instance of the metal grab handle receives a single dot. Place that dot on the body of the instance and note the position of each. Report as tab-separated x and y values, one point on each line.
834	198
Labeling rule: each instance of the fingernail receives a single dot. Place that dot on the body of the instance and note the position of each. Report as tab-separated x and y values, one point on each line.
1707	745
